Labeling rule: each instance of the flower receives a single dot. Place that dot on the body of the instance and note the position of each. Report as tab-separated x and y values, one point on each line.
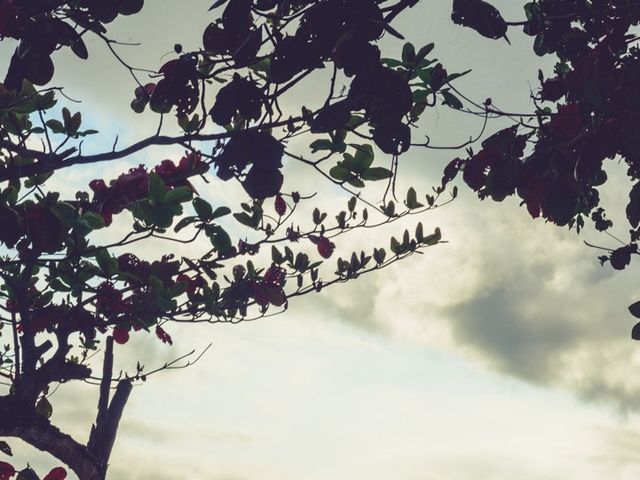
120	335
280	205
162	335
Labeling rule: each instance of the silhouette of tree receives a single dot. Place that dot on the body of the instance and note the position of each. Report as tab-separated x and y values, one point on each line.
67	295
587	111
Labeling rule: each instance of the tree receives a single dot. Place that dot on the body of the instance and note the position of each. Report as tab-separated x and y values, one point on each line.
68	295
587	111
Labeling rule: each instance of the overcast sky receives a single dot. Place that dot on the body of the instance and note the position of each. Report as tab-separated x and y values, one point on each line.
504	353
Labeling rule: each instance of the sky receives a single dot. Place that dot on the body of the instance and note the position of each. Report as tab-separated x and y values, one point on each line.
503	353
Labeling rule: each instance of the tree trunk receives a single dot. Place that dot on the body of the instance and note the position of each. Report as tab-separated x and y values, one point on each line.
17	421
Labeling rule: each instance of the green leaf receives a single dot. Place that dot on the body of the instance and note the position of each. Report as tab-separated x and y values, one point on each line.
379	255
56	126
71	122
320	144
46	101
376	173
184	222
390	209
203	209
424	51
408	53
157	188
27	474
178	195
276	256
451	100
38	179
245	219
433	238
363	158
65	212
106	262
412	200
220	212
220	239
391	63
453	76
92	219
425	75
340	173
394	246
356	182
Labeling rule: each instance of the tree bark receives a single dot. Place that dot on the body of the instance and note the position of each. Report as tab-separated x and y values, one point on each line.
16	421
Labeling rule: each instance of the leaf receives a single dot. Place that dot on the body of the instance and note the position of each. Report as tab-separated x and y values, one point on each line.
320	144
106	262
56	126
453	76
363	157
203	209
156	187
412	200
451	100
340	173
635	309
178	195
220	212
394	246
245	219
217	4
27	474
5	448
408	53
433	238
376	173
184	222
92	219
635	332
481	16
424	51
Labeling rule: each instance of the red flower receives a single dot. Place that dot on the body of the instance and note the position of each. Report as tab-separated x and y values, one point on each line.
109	300
6	471
57	473
280	205
568	121
145	91
162	335
98	185
274	275
166	169
192	283
324	245
120	335
190	161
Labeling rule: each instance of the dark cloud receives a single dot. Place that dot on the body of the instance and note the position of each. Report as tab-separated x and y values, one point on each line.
521	344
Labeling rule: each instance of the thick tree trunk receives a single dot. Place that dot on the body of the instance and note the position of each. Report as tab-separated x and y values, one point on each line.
16	421
87	462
